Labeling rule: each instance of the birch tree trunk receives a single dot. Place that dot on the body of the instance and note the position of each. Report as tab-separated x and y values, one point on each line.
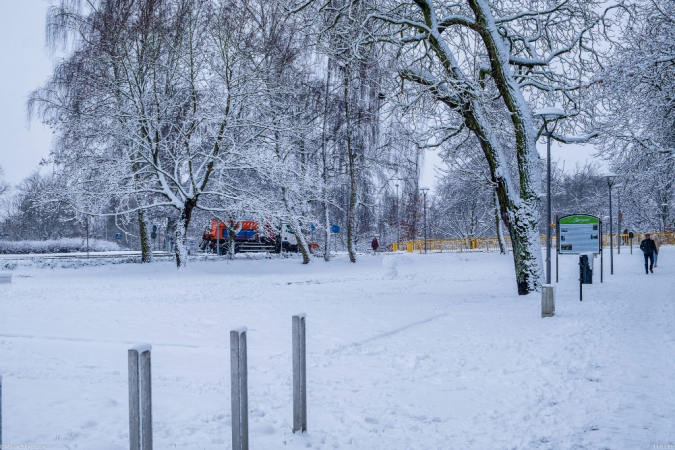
324	175
299	236
326	250
351	158
181	234
302	241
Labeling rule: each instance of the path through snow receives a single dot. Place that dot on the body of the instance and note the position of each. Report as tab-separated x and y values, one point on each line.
404	352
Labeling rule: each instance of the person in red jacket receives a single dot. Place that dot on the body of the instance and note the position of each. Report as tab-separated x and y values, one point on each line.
375	245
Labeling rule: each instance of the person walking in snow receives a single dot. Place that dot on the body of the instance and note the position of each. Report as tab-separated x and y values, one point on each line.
657	242
375	245
648	247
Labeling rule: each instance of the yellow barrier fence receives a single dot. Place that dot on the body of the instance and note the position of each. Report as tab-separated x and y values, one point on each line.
492	243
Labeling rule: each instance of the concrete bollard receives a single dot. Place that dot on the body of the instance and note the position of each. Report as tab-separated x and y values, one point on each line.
547	300
299	374
140	397
5	277
239	388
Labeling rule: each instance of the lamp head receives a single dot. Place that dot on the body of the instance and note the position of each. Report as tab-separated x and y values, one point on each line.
611	178
550	113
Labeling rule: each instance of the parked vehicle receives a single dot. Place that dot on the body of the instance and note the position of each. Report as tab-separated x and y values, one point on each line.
250	237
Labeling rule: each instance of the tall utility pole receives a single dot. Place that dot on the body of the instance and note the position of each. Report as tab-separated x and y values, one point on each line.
398	220
87	226
424	193
618	222
549	114
611	177
217	237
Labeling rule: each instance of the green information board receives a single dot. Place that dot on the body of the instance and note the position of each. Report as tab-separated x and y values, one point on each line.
579	233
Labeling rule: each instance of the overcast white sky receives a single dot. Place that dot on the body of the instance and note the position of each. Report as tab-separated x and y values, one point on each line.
26	64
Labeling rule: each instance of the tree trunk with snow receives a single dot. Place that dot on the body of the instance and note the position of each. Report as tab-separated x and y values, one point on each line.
170	234
523	209
181	250
468	94
324	172
498	226
232	236
326	249
295	224
351	158
146	247
302	241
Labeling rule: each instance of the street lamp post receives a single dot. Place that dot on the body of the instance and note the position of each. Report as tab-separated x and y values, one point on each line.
611	177
549	114
217	237
398	220
618	223
424	193
87	226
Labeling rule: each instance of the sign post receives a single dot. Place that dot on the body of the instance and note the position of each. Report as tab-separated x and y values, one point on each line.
581	234
335	229
557	245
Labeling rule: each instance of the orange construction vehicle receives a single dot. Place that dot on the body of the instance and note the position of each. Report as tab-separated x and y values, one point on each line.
250	237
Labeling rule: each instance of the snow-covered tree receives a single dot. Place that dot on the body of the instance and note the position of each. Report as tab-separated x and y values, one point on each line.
4	186
491	63
636	94
154	101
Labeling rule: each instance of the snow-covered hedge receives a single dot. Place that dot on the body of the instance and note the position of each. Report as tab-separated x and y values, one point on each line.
66	245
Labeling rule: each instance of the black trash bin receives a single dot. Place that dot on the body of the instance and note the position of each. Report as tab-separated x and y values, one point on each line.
586	269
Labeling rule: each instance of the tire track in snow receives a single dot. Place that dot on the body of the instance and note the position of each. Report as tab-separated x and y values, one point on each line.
104	341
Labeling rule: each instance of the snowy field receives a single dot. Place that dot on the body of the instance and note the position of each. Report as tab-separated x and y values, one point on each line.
404	352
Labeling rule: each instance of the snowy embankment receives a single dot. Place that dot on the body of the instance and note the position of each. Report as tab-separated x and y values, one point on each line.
429	351
66	245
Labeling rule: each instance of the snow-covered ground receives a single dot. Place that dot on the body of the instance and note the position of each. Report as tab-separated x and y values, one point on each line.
415	351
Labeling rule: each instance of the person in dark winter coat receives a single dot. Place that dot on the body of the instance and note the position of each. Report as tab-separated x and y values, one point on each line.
375	245
649	249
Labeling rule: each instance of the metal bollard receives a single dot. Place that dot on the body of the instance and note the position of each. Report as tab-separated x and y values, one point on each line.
299	374
239	388
547	300
140	397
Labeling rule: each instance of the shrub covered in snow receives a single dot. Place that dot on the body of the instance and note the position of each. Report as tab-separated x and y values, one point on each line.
66	245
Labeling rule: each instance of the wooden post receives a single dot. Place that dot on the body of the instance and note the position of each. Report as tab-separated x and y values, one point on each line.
581	279
557	246
140	398
134	402
548	300
146	401
239	388
299	374
602	253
